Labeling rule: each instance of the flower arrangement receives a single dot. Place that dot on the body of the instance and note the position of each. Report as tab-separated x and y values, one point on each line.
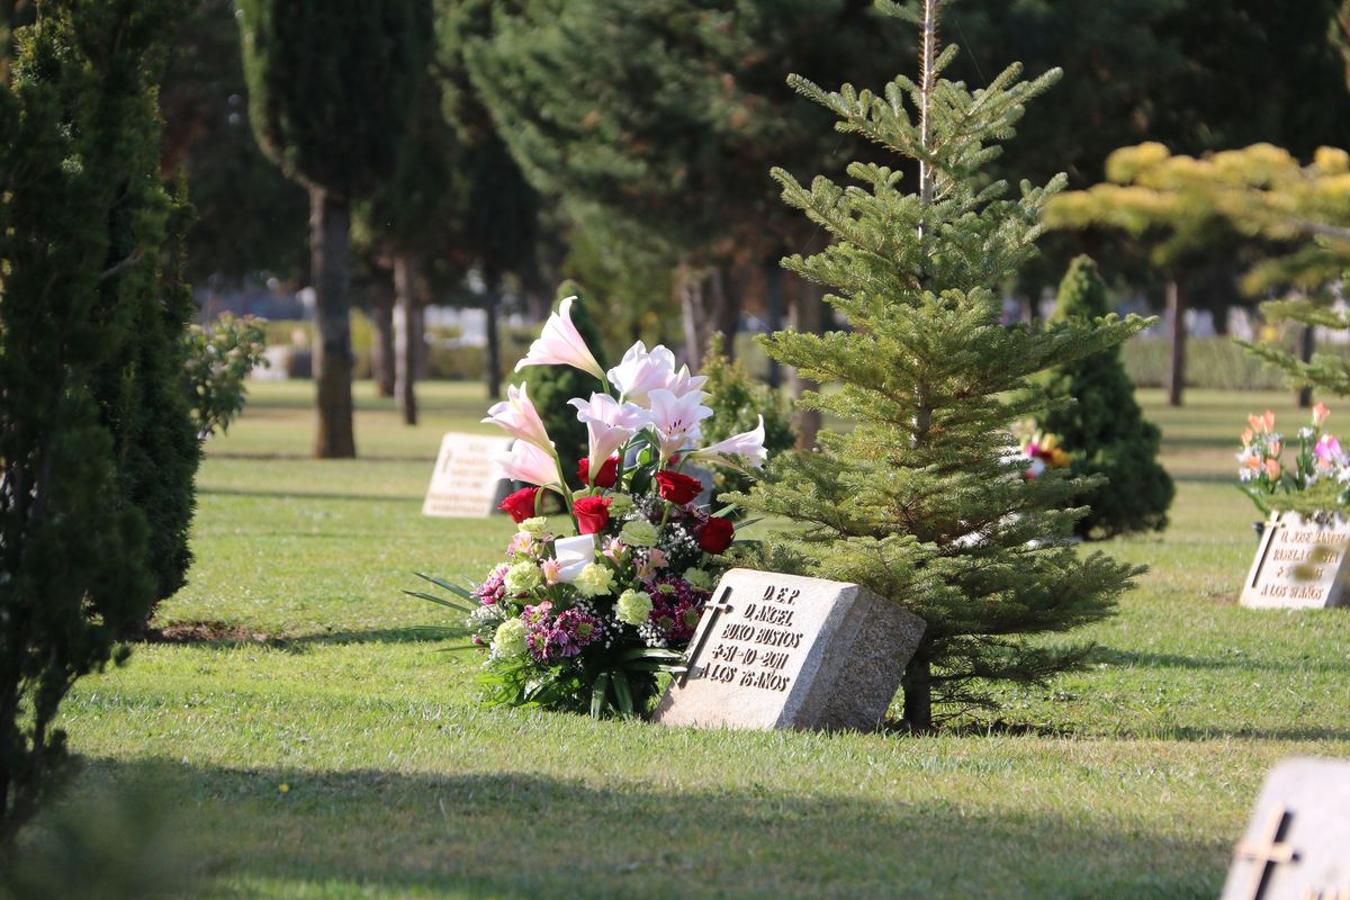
1263	474
591	619
1042	451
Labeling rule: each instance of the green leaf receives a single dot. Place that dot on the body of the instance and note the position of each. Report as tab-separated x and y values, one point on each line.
432	598
650	653
452	588
623	693
459	648
598	692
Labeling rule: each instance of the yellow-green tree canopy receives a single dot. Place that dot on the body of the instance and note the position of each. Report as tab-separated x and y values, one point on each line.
1261	191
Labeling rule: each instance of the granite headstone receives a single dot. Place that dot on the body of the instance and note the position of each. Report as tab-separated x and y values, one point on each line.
784	651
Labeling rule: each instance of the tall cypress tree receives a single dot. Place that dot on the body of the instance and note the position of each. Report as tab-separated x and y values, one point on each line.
332	85
80	212
1099	422
919	501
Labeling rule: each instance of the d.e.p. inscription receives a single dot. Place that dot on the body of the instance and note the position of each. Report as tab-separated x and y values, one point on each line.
467	481
784	651
1300	563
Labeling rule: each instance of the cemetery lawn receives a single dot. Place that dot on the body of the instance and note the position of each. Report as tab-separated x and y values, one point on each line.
315	741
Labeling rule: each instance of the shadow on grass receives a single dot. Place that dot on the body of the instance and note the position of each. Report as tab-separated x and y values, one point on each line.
305	495
224	635
269	830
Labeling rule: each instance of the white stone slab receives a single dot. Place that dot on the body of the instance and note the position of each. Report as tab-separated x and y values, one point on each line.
783	651
467	481
1300	564
1297	845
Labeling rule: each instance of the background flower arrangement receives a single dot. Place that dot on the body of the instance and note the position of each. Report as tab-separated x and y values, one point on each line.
590	620
1317	481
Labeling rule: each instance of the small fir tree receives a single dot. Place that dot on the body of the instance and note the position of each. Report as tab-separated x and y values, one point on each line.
920	501
1097	420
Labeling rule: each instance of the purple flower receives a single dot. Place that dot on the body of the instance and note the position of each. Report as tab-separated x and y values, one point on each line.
493	589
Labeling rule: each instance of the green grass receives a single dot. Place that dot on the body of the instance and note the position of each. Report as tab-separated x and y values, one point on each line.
1130	779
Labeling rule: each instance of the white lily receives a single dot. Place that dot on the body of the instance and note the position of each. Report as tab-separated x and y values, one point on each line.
561	344
609	424
518	417
676	419
748	446
526	462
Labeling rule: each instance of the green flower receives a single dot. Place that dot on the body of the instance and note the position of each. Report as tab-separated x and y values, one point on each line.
594	580
523	577
639	533
699	579
536	527
633	607
509	639
620	504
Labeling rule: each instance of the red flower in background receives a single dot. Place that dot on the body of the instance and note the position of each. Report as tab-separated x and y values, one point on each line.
520	505
715	535
592	514
678	488
605	478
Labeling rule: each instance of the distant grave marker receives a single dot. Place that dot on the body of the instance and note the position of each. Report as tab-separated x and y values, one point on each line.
467	481
1300	563
783	651
1297	845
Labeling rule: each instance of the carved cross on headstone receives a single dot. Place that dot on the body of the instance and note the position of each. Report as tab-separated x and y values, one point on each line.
1268	851
712	612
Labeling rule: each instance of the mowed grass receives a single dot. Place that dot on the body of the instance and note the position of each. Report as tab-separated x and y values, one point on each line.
342	754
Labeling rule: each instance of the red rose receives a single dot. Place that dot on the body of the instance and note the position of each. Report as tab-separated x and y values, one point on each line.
605	478
715	535
520	505
592	514
678	489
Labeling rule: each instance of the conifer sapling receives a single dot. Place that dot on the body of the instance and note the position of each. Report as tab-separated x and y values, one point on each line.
920	500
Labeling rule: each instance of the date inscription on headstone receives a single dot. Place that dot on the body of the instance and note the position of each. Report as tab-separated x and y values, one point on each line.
783	651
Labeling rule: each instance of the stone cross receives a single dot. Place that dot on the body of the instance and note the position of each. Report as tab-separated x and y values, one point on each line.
1297	846
1267	851
792	652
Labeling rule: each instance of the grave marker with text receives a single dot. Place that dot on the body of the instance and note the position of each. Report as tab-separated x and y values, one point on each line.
1300	563
467	481
784	651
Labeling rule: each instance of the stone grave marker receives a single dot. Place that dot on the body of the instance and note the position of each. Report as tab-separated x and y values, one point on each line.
783	651
467	481
1297	844
1300	563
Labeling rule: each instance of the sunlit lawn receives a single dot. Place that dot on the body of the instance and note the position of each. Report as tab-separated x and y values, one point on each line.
1131	779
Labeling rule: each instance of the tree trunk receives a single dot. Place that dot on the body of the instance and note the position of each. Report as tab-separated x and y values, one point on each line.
330	227
692	315
407	336
804	315
1306	346
1176	311
493	372
382	347
773	312
918	688
725	314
